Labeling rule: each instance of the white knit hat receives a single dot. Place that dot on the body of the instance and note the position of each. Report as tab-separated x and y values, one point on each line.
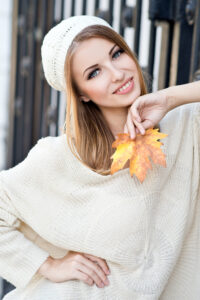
56	43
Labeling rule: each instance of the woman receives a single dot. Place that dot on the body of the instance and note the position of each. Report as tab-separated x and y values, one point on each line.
66	224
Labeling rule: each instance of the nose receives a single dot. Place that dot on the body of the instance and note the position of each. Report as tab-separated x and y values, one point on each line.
116	73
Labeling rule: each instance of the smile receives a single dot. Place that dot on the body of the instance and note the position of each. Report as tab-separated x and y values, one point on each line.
126	88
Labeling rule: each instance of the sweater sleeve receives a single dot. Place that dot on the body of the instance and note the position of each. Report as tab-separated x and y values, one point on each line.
196	138
20	258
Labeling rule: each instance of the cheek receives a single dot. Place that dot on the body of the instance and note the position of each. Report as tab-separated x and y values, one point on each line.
96	94
96	88
128	63
132	65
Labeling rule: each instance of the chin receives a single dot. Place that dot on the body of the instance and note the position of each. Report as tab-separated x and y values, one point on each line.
134	97
129	103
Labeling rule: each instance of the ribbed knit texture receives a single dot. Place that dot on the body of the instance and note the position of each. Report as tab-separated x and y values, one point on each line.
56	44
148	233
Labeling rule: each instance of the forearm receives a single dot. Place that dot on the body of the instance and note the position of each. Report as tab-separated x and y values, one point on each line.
183	94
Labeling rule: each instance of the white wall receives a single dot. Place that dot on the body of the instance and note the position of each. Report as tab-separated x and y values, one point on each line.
5	59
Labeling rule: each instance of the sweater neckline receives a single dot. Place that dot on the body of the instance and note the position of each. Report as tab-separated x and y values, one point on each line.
84	175
88	170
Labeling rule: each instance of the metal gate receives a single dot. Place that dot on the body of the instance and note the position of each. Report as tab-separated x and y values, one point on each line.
172	56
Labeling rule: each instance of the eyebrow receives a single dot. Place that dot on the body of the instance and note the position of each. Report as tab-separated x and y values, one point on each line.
97	64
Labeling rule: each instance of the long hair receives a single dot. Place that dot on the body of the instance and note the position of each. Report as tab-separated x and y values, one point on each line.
88	134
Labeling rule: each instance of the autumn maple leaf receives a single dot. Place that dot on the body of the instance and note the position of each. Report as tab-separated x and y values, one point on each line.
138	151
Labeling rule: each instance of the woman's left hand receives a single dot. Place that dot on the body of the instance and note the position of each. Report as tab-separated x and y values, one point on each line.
146	112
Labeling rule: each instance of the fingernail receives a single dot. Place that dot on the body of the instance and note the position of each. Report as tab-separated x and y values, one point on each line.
102	284
107	272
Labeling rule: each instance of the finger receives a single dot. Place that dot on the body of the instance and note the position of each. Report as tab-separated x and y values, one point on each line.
140	127
131	127
136	119
134	111
102	263
91	273
78	274
147	124
125	129
95	267
135	115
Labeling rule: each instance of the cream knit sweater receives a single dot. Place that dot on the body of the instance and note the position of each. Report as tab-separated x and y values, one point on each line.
148	233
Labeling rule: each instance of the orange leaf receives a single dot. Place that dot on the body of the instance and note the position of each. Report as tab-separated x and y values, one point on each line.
138	151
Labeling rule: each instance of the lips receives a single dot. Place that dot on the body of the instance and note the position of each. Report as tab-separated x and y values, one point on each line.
123	85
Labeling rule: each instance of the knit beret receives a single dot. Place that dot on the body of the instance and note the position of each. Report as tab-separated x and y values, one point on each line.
56	44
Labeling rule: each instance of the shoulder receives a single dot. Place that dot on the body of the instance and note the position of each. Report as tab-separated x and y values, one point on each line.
48	144
180	118
48	148
179	125
47	155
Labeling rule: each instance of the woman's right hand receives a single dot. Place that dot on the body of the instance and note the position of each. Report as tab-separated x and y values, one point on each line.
145	112
75	265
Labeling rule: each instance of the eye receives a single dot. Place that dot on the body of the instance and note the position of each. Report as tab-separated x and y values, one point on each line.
93	74
117	53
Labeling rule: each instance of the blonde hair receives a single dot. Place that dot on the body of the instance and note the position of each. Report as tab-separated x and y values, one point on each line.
88	134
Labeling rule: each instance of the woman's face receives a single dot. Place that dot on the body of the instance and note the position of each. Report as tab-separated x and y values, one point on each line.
104	73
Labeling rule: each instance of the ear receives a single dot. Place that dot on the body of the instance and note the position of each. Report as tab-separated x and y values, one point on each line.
84	98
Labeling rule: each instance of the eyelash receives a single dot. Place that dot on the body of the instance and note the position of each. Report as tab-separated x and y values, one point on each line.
90	76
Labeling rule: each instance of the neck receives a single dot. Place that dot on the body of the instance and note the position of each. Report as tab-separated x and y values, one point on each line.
116	118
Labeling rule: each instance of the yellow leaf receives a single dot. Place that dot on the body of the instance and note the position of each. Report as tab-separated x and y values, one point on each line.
138	151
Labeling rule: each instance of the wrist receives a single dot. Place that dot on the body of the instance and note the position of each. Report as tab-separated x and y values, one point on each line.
166	98
172	100
46	267
182	94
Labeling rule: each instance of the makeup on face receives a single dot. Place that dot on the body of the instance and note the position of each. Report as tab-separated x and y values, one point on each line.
96	65
126	87
105	73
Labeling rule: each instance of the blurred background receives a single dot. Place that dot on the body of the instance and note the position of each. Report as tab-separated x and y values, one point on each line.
165	36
